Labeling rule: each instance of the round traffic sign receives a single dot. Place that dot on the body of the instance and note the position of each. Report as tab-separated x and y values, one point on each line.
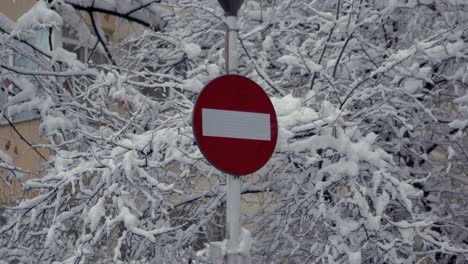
235	125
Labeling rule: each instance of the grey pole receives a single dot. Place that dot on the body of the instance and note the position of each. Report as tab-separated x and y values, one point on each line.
233	201
233	182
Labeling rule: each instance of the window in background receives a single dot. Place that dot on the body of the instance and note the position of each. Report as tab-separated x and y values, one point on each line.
22	60
6	58
82	50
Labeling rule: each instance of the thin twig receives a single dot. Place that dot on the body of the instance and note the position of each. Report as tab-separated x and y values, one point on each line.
341	55
92	9
101	39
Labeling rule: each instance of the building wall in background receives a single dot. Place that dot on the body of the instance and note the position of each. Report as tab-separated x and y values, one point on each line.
10	142
23	156
14	9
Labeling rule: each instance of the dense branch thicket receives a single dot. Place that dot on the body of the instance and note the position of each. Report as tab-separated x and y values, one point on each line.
370	165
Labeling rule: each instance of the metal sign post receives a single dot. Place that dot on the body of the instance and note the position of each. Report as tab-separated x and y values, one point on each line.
235	127
231	7
233	182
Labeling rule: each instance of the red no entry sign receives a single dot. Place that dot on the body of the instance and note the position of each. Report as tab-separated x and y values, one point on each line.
235	125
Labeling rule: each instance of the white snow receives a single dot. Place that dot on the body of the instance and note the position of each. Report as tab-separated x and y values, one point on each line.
5	158
193	85
245	242
458	124
130	221
50	124
60	54
354	257
39	16
117	253
303	63
28	91
165	187
342	168
267	44
213	70
33	218
286	105
407	235
373	222
456	49
192	50
381	203
95	214
451	153
411	85
129	164
50	238
463	99
290	60
347	226
312	66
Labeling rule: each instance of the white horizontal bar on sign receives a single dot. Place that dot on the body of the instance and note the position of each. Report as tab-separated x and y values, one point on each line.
235	124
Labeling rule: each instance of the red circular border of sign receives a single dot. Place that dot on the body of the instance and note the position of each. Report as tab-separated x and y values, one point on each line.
231	155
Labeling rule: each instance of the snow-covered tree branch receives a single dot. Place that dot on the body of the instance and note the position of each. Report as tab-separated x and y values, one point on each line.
370	165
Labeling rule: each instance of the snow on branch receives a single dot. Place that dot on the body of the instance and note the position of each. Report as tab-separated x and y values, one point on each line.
144	12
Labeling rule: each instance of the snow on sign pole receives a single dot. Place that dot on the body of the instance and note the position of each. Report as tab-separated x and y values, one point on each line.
236	129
